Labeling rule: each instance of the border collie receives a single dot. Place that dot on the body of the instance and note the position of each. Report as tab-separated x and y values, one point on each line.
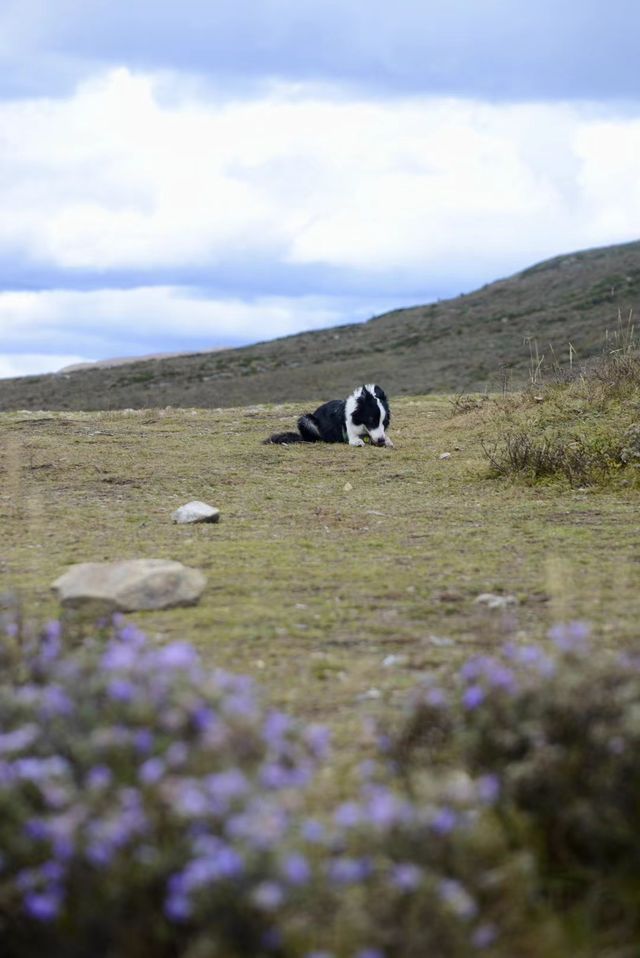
364	413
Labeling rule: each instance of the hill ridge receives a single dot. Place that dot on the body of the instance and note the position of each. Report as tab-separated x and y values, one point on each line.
468	343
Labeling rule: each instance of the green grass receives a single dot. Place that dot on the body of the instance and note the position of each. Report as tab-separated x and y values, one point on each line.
311	584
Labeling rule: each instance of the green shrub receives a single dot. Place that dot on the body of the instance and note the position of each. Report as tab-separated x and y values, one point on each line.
559	730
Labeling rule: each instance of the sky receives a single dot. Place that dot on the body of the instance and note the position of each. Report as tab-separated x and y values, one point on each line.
178	176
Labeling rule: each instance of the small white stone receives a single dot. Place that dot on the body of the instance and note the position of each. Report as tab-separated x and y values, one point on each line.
440	641
369	695
347	487
444	455
392	660
494	601
196	512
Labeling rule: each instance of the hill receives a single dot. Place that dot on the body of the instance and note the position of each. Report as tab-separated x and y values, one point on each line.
469	343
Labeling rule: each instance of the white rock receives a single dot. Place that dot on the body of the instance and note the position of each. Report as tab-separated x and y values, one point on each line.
370	695
444	455
392	660
440	641
196	512
494	601
129	586
347	487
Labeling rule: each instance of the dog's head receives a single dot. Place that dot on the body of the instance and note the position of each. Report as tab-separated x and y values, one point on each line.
371	411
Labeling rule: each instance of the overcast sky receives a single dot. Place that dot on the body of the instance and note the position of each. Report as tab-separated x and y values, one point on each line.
186	175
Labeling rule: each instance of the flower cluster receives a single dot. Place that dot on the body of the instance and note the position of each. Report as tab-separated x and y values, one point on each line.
150	807
555	728
144	795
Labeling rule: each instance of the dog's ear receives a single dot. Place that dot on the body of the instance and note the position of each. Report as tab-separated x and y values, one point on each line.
380	393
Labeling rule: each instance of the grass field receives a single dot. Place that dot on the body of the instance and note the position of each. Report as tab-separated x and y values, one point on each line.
327	559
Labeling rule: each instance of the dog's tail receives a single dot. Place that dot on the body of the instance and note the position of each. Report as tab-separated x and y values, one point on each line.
309	432
283	438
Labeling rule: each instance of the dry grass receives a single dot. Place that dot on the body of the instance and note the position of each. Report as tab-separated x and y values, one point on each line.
312	585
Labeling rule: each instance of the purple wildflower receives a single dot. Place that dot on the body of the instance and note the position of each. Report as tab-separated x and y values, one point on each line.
313	831
349	871
189	798
37	829
385	809
275	728
473	697
151	771
121	690
143	740
318	738
119	657
406	876
484	936
43	905
573	637
227	785
19	738
176	655
348	815
131	635
436	697
295	869
203	717
51	642
177	907
98	777
488	789
444	821
55	701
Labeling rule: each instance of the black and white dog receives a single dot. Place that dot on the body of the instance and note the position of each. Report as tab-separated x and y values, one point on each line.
364	413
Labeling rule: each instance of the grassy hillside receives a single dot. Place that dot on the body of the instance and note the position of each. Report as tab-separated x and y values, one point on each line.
327	559
472	342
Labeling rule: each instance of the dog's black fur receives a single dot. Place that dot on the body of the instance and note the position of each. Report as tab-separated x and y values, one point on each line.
364	413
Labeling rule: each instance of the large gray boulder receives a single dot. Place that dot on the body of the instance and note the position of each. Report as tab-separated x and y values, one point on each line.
129	586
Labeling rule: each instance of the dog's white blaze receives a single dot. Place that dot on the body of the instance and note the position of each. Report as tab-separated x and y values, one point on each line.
378	433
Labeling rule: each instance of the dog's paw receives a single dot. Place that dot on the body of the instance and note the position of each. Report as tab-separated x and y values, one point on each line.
388	443
356	442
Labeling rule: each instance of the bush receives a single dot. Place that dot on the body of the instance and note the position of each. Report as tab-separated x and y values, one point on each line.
558	729
581	459
433	872
151	808
582	426
145	804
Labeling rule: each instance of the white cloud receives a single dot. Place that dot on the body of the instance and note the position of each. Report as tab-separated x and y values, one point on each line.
116	178
153	315
124	177
30	364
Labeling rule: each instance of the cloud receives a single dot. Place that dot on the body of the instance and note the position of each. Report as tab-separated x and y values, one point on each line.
115	180
31	364
135	221
498	49
99	322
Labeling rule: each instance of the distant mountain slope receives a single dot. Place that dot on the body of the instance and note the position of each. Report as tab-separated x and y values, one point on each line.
464	344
